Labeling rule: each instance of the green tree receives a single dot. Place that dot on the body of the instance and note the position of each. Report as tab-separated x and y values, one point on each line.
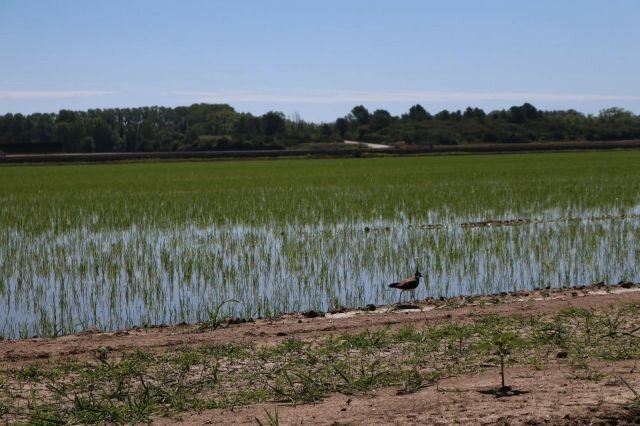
443	115
474	114
380	119
272	123
615	114
247	124
104	136
360	115
418	113
69	135
87	144
523	113
341	127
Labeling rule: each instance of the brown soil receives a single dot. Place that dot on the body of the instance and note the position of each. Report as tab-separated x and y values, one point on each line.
551	395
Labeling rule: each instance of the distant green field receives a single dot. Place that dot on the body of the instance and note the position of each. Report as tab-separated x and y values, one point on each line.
144	243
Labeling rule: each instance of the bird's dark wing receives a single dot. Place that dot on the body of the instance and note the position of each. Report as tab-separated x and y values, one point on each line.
407	284
408	279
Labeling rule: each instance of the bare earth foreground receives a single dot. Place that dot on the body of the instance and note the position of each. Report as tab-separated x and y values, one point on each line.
554	392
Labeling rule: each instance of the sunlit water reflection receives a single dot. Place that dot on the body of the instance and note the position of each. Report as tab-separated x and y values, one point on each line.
115	279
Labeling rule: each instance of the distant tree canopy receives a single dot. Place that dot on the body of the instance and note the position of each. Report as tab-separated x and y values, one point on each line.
220	127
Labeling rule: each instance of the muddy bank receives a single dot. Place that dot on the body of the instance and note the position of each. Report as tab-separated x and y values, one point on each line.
311	324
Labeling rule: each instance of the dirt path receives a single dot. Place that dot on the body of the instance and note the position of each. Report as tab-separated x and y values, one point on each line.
368	145
298	325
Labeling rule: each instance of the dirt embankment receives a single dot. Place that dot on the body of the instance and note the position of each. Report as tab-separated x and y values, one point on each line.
357	151
553	393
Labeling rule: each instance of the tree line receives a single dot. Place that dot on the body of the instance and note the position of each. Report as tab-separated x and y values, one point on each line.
202	127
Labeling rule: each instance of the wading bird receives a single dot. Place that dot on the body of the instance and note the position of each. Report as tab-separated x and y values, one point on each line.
408	284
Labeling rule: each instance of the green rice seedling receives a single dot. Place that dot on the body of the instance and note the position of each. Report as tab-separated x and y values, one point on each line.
408	333
216	317
590	374
359	374
297	385
28	373
45	415
554	331
458	335
5	408
634	403
367	339
412	381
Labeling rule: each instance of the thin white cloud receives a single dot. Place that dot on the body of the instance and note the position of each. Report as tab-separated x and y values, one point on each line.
51	94
287	96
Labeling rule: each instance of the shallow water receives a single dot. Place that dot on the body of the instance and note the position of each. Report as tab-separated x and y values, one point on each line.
58	283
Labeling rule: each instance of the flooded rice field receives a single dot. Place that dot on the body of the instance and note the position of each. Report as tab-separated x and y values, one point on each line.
115	246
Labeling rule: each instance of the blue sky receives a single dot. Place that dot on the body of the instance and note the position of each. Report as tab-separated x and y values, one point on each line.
319	58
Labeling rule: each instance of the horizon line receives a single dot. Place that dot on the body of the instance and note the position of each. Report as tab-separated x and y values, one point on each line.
332	96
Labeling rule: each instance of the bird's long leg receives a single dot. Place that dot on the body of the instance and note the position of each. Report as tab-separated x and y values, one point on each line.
400	297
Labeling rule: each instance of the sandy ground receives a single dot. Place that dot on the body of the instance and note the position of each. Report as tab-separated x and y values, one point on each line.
552	395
